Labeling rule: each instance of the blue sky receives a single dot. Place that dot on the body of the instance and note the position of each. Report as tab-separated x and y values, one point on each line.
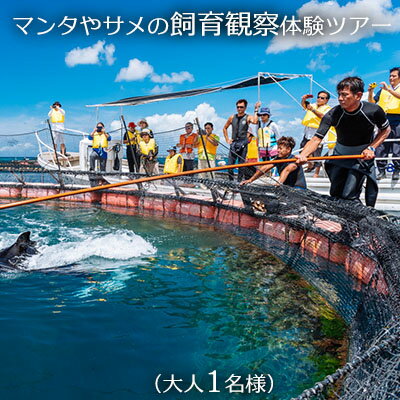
36	69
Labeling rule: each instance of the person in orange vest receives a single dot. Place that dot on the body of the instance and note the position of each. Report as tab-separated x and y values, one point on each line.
187	144
57	118
173	162
99	147
388	98
311	122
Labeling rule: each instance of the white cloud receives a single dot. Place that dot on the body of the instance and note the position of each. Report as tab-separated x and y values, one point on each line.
378	12
292	128
135	71
275	106
175	77
109	54
165	122
338	77
138	70
91	55
318	63
374	46
161	89
115	124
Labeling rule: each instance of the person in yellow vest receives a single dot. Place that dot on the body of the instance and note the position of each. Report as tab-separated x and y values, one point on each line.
148	154
211	141
311	121
173	162
252	152
57	118
99	147
389	99
132	139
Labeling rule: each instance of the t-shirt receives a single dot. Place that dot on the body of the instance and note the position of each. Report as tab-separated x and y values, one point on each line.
296	178
354	128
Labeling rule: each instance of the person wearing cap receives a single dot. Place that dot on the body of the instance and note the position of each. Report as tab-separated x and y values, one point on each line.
144	125
132	139
148	154
311	122
186	145
211	141
268	135
174	162
57	118
238	143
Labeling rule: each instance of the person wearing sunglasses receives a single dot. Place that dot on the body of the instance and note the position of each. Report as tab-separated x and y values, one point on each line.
186	146
311	121
99	147
239	141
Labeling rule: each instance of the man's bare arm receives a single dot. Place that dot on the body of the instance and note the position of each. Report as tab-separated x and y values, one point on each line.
225	130
308	149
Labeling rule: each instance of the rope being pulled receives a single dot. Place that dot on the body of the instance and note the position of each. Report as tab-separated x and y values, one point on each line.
167	176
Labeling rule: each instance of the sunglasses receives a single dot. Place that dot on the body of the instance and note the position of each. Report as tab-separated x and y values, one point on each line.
320	97
188	127
240	107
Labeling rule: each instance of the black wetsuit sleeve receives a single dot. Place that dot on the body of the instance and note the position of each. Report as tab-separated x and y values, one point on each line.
376	97
381	120
125	137
325	125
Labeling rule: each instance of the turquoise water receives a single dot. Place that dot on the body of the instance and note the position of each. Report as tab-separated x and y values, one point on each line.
112	301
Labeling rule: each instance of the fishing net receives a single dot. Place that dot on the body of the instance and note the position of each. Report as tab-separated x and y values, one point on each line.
349	252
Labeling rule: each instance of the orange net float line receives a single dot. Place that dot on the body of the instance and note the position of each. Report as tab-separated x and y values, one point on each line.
167	176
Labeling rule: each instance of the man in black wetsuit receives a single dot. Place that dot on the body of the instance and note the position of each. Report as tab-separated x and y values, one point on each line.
238	144
355	121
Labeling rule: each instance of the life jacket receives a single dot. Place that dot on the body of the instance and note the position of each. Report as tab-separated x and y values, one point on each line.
266	136
239	127
332	137
210	148
311	120
171	164
99	140
252	149
183	141
389	103
57	116
145	148
133	137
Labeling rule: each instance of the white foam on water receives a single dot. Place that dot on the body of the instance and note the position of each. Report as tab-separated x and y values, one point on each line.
120	245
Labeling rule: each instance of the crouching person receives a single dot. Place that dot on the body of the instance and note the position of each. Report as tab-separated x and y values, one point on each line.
148	154
174	162
290	173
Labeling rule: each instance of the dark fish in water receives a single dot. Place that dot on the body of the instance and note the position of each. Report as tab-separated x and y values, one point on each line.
14	255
